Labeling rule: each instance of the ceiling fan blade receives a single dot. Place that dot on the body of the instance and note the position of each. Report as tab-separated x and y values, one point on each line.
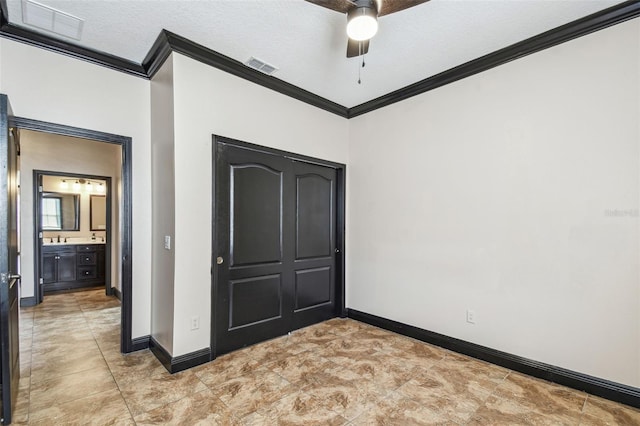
342	6
354	49
391	6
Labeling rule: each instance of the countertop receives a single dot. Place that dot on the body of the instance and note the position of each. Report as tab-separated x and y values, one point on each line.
71	241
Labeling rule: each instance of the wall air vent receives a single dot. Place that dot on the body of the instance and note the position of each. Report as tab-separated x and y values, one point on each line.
50	19
261	66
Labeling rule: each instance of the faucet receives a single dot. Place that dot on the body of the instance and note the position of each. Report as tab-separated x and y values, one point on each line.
65	239
58	237
103	238
93	236
51	240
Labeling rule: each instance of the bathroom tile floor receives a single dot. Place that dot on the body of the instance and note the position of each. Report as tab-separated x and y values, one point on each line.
334	373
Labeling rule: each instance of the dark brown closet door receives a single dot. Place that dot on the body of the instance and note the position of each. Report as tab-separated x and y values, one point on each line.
275	246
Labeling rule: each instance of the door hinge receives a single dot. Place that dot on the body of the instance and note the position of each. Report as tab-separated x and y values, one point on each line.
40	235
41	281
40	188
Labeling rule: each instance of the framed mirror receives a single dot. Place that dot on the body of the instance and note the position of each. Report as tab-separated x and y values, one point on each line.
60	212
98	212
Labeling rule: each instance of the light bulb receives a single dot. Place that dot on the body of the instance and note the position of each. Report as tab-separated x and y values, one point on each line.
76	186
89	186
64	184
362	24
100	187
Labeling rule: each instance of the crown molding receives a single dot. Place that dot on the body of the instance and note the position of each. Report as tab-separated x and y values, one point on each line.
33	38
156	56
168	42
578	28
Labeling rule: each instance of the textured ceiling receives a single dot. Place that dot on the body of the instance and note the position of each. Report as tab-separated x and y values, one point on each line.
307	42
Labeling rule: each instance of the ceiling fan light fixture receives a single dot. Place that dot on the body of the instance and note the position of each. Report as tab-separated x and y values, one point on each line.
362	22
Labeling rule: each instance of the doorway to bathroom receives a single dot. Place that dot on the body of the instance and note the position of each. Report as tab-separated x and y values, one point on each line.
74	229
56	148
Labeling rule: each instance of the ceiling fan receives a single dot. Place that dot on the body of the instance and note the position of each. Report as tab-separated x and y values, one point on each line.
362	18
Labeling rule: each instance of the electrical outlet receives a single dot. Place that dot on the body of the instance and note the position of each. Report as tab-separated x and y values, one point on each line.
167	242
471	316
195	323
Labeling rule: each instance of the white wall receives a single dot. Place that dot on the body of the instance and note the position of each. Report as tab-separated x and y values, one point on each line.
163	217
51	87
492	194
208	101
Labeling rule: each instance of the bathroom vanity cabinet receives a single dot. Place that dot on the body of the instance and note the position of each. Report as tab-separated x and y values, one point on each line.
71	266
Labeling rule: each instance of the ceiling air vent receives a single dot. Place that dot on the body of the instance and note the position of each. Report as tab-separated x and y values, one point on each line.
261	66
50	19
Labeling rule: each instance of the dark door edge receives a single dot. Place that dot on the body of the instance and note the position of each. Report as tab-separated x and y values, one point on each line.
9	375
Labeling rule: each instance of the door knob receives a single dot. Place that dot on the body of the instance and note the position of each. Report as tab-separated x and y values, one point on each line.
219	260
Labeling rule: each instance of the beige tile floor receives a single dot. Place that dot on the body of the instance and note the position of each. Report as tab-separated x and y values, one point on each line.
338	372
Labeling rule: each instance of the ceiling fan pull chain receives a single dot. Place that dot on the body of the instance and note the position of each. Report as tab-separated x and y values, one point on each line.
362	52
359	68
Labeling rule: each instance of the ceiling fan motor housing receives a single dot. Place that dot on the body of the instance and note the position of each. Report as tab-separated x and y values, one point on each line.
366	3
363	7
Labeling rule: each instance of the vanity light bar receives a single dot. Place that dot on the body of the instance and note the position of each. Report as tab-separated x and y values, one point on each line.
86	184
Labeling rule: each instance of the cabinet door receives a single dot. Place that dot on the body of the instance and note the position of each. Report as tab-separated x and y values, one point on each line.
86	259
101	263
49	274
86	273
66	266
